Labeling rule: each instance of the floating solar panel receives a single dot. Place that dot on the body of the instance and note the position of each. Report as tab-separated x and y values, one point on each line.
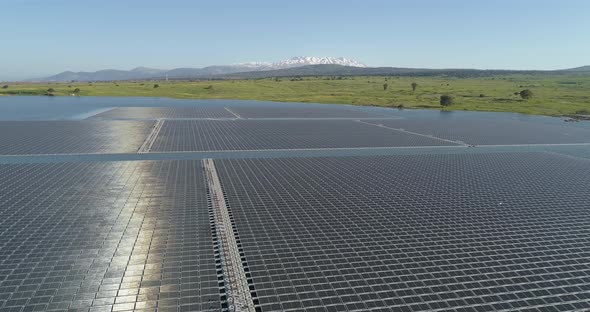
65	137
486	232
106	236
302	111
493	131
214	135
165	112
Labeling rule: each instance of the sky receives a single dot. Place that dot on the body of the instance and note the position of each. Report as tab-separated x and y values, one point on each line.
42	37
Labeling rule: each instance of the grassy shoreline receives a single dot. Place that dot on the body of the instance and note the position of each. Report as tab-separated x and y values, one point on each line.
562	95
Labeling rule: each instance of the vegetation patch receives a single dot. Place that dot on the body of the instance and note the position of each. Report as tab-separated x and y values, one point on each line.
547	94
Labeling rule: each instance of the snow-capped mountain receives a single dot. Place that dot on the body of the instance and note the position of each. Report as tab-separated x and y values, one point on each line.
148	73
312	60
299	61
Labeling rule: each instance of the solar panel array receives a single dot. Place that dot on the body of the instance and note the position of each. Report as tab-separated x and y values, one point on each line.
487	232
493	131
62	137
165	112
424	223
106	236
302	111
213	135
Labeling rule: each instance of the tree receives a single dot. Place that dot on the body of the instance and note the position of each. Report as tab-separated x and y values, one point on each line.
50	90
5	87
414	86
446	100
385	86
156	86
77	90
526	94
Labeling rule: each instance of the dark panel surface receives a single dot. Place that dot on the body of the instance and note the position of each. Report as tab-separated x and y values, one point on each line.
102	236
212	135
63	137
493	131
165	112
487	232
302	111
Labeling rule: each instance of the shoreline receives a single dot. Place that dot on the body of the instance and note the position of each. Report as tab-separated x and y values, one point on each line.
563	96
570	117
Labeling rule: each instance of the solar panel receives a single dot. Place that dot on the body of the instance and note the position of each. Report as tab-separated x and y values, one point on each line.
213	135
493	131
419	227
63	137
106	235
165	112
485	232
302	111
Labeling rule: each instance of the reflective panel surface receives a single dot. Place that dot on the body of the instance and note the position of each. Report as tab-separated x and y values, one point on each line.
213	135
486	232
493	131
66	137
165	112
106	236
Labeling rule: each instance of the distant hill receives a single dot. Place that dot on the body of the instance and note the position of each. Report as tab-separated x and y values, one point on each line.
140	73
180	73
107	74
338	70
580	69
294	67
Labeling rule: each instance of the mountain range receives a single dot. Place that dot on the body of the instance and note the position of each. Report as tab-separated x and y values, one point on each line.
217	70
296	66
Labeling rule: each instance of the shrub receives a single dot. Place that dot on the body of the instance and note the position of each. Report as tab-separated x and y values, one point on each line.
385	86
526	94
77	90
481	95
50	90
156	86
446	100
209	87
414	86
5	87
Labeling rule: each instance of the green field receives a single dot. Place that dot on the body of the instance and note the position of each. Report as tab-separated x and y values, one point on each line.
553	94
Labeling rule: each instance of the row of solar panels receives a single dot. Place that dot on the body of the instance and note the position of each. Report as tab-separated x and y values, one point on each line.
485	232
92	136
302	111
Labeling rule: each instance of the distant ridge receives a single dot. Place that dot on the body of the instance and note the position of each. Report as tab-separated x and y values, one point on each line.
580	69
338	70
148	73
294	67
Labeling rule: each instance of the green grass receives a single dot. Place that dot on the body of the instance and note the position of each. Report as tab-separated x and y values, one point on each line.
553	95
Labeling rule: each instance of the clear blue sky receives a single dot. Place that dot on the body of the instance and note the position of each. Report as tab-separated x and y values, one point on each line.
43	37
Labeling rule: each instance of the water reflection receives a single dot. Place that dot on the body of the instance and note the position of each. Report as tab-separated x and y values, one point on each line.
72	137
110	235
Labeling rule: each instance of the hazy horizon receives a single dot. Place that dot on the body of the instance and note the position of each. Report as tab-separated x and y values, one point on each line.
44	39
